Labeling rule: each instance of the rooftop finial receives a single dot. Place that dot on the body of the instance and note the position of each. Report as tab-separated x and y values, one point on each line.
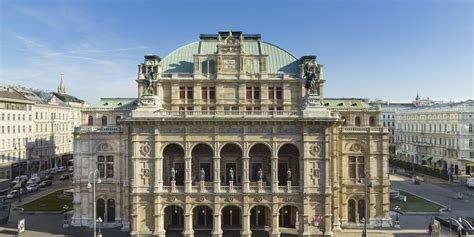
61	87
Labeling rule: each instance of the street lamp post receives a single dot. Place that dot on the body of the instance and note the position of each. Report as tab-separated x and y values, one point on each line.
366	186
99	220
95	179
397	218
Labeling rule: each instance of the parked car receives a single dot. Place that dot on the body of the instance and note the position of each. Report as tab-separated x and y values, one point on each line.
48	177
45	183
34	180
61	169
12	194
470	182
64	177
70	169
53	171
19	179
32	188
18	186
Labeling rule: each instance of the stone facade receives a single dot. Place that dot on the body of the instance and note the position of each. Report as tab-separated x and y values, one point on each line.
226	138
439	135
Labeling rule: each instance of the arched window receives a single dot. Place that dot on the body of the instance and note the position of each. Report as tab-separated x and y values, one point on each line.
357	121
361	210
204	67
351	211
117	119
372	121
344	121
212	66
104	120
101	209
90	120
110	210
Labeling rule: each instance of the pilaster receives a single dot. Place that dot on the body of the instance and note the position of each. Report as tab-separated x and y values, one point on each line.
245	174
217	178
187	174
274	161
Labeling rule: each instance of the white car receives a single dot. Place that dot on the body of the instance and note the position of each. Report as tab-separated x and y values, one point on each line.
61	169
32	188
470	182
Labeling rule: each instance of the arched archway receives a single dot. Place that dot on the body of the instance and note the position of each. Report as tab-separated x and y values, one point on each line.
260	220
104	120
101	209
173	220
372	121
289	220
260	155
356	210
202	156
110	210
231	164
202	220
90	120
231	220
288	160
173	157
357	121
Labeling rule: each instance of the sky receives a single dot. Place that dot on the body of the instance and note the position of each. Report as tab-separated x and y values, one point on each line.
373	49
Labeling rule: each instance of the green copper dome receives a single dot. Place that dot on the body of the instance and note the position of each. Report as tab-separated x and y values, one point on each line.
181	59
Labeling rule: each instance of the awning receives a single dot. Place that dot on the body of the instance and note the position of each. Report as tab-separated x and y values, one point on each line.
437	159
427	158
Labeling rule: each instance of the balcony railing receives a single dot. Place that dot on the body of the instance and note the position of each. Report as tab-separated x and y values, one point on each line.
89	129
228	114
365	129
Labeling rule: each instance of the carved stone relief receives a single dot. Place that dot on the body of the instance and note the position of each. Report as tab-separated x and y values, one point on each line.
145	149
315	149
104	147
145	172
314	173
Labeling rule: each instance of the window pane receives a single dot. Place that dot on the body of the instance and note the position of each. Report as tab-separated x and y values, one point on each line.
101	167
212	93
270	93
256	93
204	92
249	93
279	94
110	170
100	159
352	167
110	159
182	92
190	93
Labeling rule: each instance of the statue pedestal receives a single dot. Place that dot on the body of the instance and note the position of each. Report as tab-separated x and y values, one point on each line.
202	186
149	105
260	186
312	107
173	186
231	186
288	186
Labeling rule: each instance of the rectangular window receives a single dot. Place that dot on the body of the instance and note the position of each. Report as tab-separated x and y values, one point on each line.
182	92
189	93
204	93
256	93
279	93
235	108
249	93
271	93
189	108
110	167
101	166
352	167
356	167
212	93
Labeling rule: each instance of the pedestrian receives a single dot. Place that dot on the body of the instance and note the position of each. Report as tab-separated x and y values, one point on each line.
430	229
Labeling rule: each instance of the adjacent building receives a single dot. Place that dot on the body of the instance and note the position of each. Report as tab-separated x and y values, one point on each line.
437	135
37	128
388	120
231	134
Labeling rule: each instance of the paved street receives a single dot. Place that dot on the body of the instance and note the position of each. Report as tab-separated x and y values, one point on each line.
440	192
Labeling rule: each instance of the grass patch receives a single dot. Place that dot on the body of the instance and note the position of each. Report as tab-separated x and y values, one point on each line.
414	204
50	202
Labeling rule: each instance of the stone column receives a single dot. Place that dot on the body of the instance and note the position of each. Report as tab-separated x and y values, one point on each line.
159	224
217	175
274	174
187	174
216	229
159	173
188	223
275	231
245	232
245	174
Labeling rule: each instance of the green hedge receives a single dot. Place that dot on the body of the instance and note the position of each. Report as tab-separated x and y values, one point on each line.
443	174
